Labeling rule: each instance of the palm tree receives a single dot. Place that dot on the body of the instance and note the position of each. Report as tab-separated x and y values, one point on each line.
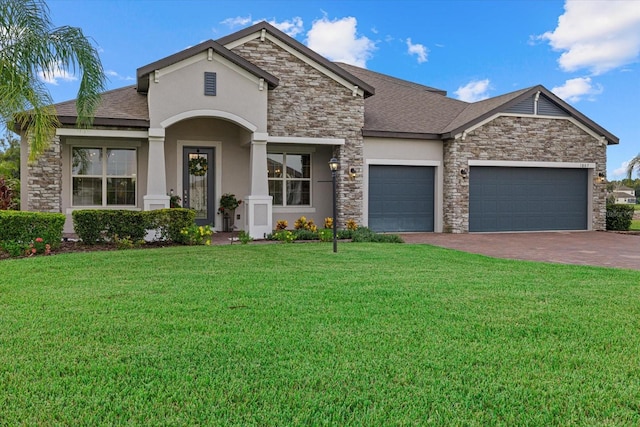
633	164
29	45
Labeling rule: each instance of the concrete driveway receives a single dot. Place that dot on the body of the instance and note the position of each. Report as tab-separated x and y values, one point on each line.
597	248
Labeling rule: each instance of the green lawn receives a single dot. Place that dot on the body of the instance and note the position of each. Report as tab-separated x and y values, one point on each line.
378	334
635	225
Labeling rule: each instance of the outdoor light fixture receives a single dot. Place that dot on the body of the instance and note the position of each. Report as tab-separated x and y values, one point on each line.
352	173
464	173
601	177
333	166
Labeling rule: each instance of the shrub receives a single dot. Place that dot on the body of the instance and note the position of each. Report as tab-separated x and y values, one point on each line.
197	234
282	224
25	227
284	236
94	226
304	234
328	222
301	223
325	235
364	234
6	195
619	217
170	222
352	224
244	237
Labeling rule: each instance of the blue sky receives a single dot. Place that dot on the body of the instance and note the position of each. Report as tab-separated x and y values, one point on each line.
585	51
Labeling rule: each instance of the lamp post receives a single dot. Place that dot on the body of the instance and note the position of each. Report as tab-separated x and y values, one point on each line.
334	165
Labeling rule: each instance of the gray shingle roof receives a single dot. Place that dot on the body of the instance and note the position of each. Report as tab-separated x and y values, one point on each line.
400	106
118	107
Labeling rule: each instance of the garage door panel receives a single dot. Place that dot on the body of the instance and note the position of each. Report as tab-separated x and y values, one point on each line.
401	198
527	199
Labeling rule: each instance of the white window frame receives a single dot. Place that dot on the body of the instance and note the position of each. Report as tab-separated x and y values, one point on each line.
284	179
104	176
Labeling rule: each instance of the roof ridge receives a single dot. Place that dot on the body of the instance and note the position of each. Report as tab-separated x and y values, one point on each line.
392	79
101	94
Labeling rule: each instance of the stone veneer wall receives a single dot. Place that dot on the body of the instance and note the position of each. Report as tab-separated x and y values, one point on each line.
307	103
44	182
519	139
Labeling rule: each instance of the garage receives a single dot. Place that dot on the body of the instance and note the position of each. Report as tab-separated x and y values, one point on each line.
401	198
527	199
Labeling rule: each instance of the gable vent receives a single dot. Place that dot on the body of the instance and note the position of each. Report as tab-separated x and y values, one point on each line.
548	108
209	84
523	107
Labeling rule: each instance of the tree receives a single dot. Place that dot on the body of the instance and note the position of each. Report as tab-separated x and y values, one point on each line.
10	168
29	45
633	164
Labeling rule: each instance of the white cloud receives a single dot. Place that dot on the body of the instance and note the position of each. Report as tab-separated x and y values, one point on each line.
620	172
419	50
596	35
574	90
115	75
238	21
338	41
56	74
291	27
475	90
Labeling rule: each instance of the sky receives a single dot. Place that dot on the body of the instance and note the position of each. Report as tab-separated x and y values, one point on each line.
585	51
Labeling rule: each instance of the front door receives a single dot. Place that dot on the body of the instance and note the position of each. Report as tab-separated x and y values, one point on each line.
197	183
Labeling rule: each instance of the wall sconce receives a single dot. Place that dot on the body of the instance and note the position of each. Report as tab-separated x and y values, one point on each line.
352	173
464	173
601	177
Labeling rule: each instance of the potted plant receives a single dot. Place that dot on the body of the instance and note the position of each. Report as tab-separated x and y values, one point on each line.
227	207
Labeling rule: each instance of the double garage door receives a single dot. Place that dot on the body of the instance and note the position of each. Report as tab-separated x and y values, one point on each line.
527	199
401	198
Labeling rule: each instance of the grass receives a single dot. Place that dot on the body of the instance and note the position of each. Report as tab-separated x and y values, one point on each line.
635	225
378	334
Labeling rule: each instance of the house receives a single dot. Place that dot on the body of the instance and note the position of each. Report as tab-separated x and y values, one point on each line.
625	195
259	115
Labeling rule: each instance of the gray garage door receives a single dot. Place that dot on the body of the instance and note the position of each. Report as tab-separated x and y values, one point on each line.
527	199
401	198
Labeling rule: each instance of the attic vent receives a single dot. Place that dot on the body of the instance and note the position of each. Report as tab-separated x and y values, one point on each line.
548	108
523	107
209	84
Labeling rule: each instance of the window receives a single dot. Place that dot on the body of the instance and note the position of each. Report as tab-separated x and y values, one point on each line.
104	176
289	179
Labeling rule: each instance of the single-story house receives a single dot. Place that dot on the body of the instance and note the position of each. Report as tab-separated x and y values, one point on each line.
625	195
259	115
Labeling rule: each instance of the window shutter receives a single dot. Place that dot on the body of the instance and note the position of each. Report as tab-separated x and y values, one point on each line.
209	84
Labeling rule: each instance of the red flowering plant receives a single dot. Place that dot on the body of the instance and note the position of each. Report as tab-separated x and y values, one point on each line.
38	246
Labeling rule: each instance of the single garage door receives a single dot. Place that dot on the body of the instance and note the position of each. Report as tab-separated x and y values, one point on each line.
527	199
401	198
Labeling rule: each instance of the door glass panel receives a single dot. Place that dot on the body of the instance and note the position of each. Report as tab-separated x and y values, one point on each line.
198	183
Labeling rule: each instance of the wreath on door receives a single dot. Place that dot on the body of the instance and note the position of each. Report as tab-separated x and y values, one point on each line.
198	166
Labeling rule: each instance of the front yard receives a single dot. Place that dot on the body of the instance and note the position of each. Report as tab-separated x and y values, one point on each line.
377	334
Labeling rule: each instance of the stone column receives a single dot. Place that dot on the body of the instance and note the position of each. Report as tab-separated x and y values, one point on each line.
44	179
259	204
156	197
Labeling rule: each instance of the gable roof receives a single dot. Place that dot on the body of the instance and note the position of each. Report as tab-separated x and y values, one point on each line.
482	110
143	72
296	45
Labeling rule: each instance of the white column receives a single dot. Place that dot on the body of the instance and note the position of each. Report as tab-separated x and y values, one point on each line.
259	205
156	197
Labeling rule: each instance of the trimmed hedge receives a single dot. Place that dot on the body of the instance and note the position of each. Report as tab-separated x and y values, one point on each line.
619	217
25	227
97	226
